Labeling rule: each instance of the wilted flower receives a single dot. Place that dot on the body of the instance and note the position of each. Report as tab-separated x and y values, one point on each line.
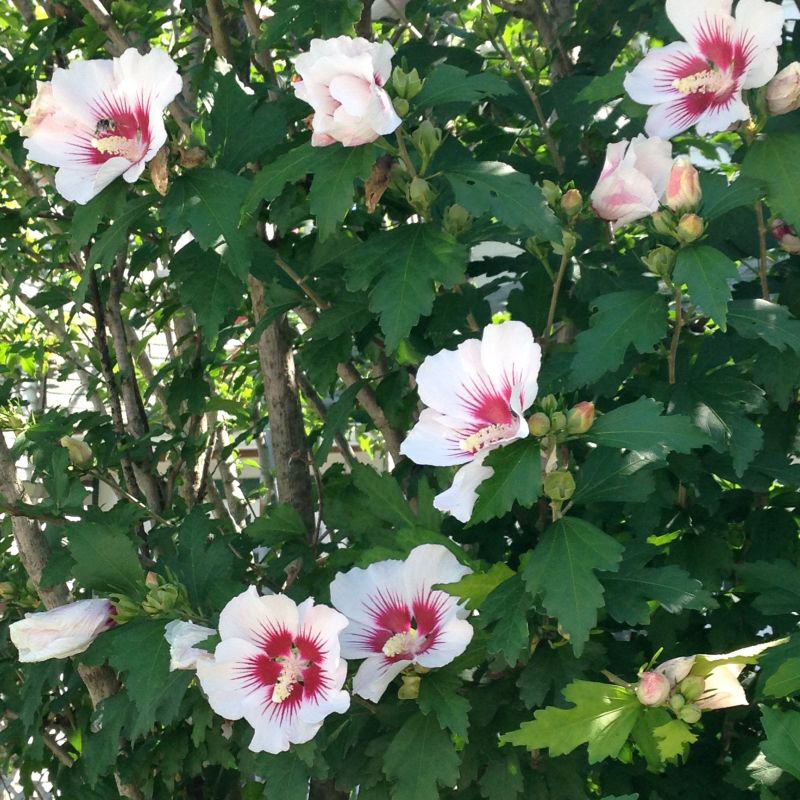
278	666
683	186
61	632
787	237
80	453
700	81
397	619
342	79
99	119
783	91
182	636
476	395
633	179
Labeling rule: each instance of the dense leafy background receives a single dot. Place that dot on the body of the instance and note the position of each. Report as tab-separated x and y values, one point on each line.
682	533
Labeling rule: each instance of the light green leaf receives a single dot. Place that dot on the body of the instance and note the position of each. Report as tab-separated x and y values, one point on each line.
517	479
774	160
401	269
673	738
640	427
621	319
494	187
782	747
448	84
602	716
562	571
420	759
476	587
785	681
706	272
760	319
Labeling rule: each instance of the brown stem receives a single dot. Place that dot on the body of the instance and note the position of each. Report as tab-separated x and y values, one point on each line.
763	263
551	313
230	480
118	44
300	282
676	335
219	34
500	46
364	24
262	57
285	416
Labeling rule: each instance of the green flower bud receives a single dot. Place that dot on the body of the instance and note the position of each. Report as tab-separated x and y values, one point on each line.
410	688
548	404
692	687
690	713
456	220
677	702
559	485
125	609
541	57
406	84
161	599
7	591
690	228
572	202
551	192
485	26
400	106
661	261
419	194
580	418
662	222
426	139
539	424
558	420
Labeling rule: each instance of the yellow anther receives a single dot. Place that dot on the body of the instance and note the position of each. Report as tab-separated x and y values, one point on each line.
400	643
709	80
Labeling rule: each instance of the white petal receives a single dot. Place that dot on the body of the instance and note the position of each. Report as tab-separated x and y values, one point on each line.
152	76
761	23
722	688
690	16
669	119
221	679
247	615
650	82
459	499
720	119
433	441
452	642
676	669
429	564
355	592
374	675
511	358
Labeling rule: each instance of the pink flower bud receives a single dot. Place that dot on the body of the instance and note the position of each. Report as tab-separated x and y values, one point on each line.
580	417
572	202
783	91
788	239
683	186
690	228
653	689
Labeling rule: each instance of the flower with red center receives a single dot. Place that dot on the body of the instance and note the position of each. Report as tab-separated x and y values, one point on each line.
397	619
342	79
99	119
278	666
700	81
476	395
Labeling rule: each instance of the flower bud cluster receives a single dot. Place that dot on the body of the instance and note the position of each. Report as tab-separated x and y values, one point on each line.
553	420
655	689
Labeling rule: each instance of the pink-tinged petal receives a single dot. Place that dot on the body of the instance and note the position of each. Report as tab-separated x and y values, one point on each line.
435	442
654	160
430	564
692	18
512	360
374	676
460	498
615	153
651	81
624	197
381	116
182	636
450	644
251	617
357	592
77	88
720	118
81	182
676	669
382	55
760	24
353	93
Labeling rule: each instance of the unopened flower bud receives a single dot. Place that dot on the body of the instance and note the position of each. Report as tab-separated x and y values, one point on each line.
400	106
456	220
571	202
692	687
677	702
690	713
80	454
7	590
124	609
690	228
653	689
558	420
548	403
783	91
151	580
559	485
580	418
683	186
419	193
161	599
540	57
662	222
410	688
427	139
788	240
661	261
551	192
407	84
539	424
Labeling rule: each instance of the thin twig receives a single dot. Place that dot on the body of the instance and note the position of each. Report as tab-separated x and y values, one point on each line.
551	314
763	263
301	283
676	335
219	34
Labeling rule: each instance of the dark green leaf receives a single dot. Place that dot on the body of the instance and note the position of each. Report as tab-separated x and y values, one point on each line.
271	179
775	162
438	694
611	476
507	607
448	84
782	747
706	272
386	497
764	320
